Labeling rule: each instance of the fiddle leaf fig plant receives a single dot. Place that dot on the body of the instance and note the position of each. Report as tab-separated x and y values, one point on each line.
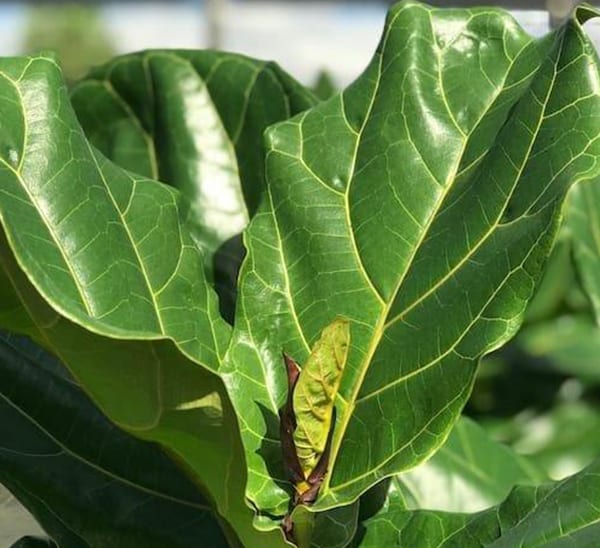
307	386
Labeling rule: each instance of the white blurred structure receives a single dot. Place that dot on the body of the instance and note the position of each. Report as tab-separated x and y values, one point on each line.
15	521
12	20
302	37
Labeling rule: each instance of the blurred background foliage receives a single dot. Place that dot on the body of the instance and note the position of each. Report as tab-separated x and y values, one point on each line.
75	32
540	394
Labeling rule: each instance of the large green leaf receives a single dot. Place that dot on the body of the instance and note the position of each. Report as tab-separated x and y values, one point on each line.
421	204
105	247
194	120
562	514
88	483
470	472
96	255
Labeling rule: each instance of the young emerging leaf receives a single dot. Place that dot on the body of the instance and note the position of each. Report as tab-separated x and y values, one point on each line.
315	393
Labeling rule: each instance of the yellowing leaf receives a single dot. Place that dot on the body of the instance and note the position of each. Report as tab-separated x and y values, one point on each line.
315	393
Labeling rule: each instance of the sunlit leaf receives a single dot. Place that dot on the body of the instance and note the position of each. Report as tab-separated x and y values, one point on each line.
113	284
194	120
470	472
421	209
561	514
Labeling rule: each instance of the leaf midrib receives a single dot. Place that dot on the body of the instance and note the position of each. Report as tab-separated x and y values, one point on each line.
381	324
17	173
417	372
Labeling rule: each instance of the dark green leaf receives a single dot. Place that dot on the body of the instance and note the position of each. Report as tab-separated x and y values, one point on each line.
227	261
34	542
87	482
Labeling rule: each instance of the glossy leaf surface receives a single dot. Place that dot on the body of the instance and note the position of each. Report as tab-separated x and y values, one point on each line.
106	247
423	210
194	120
87	482
418	207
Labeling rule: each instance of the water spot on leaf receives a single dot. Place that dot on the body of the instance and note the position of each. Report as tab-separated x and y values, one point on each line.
10	154
13	157
338	183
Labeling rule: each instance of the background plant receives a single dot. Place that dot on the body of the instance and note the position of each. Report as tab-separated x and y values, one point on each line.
58	28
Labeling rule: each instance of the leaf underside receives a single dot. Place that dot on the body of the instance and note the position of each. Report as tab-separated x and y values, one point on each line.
80	475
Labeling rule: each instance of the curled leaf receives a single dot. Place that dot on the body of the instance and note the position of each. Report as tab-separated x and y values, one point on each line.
287	425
